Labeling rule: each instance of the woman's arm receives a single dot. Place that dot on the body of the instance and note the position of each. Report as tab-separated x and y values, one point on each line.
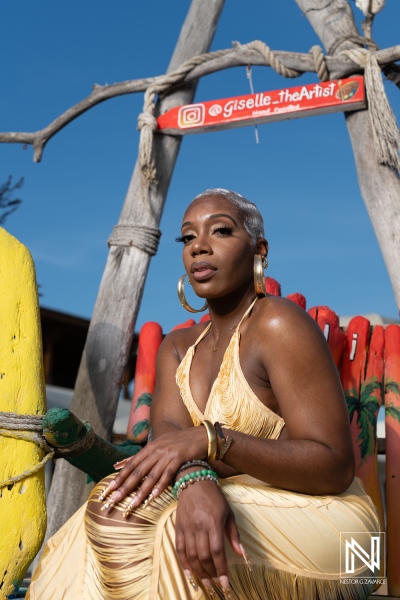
315	454
168	412
175	440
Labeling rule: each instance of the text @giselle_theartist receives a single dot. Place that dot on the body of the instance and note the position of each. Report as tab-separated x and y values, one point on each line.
262	100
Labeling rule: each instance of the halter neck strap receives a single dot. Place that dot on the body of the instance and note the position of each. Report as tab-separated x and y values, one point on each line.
246	313
202	335
207	329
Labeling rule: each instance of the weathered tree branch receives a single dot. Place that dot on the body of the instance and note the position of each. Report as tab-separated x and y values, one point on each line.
338	66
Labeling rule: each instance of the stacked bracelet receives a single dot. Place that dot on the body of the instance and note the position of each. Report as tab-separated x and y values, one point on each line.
186	480
192	463
218	444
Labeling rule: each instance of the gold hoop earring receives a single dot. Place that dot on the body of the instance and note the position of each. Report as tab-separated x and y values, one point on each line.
182	297
259	281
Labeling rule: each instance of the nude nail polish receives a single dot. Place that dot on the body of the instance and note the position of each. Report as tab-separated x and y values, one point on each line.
108	489
224	582
190	579
148	500
107	505
209	588
246	558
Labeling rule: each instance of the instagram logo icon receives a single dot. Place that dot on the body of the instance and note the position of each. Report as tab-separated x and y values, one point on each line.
190	116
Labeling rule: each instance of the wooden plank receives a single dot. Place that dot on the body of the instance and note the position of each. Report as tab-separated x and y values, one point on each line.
371	400
150	338
265	107
352	376
328	321
392	422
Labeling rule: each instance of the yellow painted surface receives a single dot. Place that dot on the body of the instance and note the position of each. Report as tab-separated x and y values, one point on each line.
23	505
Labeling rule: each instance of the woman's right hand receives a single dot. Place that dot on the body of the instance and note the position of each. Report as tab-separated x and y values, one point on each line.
203	518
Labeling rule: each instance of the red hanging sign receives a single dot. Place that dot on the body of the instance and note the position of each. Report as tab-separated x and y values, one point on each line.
277	105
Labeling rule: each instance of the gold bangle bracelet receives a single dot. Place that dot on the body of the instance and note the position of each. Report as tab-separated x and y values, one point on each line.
212	441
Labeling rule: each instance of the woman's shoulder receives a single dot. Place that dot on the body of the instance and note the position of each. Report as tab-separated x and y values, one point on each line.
180	340
280	316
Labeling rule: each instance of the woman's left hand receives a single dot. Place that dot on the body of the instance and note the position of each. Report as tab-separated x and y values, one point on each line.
155	466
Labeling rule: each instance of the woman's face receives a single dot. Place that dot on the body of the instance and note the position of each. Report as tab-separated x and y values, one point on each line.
218	254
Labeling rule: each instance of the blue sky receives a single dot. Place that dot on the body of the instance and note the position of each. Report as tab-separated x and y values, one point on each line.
301	174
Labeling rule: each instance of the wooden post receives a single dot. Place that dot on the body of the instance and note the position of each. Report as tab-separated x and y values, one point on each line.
112	326
22	391
379	185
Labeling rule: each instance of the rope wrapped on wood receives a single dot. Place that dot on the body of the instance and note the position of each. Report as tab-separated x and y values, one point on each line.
29	428
383	122
320	63
141	236
146	120
356	39
270	57
78	447
14	425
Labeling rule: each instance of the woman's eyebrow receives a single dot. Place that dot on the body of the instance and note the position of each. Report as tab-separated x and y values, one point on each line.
223	215
217	216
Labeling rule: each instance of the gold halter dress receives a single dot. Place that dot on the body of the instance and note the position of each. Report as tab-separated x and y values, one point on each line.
293	540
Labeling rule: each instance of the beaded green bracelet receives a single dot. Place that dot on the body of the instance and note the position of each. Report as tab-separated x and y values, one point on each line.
186	480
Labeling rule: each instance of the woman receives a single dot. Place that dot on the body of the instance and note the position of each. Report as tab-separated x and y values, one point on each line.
283	454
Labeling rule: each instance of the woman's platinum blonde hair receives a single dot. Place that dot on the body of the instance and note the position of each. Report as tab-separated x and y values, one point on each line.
252	219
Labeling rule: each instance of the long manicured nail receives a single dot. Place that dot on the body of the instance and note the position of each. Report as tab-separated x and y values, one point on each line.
114	498
133	503
224	581
120	463
209	588
107	505
127	513
190	579
108	489
246	558
118	467
148	500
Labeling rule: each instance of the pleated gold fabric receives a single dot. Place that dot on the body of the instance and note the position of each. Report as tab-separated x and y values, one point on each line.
293	540
231	400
